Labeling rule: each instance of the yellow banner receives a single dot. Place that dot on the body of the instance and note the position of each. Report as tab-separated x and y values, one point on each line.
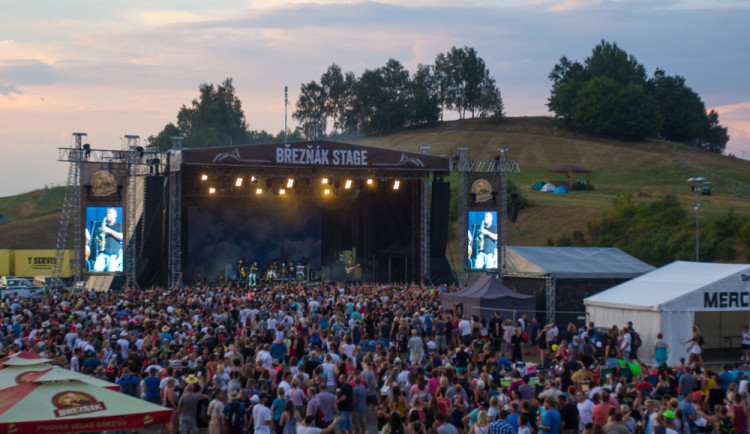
30	263
5	263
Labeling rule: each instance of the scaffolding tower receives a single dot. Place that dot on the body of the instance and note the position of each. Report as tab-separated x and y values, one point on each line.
71	213
499	167
175	215
133	152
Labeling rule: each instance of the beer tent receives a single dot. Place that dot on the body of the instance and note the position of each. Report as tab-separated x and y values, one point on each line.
59	405
673	298
487	295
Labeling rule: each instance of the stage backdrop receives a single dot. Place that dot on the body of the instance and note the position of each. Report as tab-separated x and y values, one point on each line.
217	237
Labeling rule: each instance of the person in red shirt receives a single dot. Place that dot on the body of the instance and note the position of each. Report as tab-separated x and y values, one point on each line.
601	410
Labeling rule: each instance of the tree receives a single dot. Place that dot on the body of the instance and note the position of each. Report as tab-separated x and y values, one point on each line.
337	87
606	95
215	119
163	141
311	110
463	80
682	111
380	99
717	136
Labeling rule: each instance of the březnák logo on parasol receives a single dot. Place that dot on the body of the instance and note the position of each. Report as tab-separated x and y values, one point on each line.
73	403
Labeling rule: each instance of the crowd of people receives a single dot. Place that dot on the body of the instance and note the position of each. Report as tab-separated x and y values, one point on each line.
292	358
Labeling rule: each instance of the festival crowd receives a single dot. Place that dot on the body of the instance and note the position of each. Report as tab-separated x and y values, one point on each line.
297	359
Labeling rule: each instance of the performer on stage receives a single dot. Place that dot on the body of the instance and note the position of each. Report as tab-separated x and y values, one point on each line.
253	274
241	271
487	254
110	256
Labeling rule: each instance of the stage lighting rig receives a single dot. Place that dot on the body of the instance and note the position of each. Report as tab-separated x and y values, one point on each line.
258	191
327	191
204	177
348	184
370	181
396	184
324	181
282	192
238	182
290	183
212	190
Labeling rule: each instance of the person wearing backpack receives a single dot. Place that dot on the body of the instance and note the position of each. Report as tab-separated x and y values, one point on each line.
235	417
129	383
635	341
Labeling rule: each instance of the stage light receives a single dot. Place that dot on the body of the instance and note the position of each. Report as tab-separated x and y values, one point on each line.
396	184
370	181
324	181
238	182
258	191
327	191
204	177
282	191
290	183
211	190
348	184
253	179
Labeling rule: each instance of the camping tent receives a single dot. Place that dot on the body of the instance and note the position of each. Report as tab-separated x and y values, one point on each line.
487	295
566	275
673	298
537	185
65	405
561	189
548	188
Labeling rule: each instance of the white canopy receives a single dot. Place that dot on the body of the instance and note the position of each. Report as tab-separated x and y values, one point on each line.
675	297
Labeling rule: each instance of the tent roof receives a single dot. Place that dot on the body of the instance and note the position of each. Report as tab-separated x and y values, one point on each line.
487	287
665	285
566	169
572	263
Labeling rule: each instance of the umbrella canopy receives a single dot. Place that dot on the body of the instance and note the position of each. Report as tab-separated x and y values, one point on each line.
27	366
13	375
67	406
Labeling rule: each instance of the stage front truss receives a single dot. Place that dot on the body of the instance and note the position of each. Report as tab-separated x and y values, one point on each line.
497	168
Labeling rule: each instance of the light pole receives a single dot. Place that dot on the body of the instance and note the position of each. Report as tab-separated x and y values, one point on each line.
697	184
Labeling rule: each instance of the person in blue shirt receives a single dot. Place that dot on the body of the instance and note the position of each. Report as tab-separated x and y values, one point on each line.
165	335
504	362
550	423
151	387
278	350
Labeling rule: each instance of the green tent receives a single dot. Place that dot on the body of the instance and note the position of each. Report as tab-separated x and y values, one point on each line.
538	186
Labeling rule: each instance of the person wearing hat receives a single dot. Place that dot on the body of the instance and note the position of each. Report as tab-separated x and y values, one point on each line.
187	408
235	407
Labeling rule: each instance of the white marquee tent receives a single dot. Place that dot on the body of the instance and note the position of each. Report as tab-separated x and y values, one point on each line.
673	298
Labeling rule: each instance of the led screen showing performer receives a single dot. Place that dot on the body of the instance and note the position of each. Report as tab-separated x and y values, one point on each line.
482	240
104	233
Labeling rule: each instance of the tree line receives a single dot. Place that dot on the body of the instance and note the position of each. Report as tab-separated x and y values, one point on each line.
608	94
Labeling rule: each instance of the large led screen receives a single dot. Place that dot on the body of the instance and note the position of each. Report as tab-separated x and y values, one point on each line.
104	233
482	235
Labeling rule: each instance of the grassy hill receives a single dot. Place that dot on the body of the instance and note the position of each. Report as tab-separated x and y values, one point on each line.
649	170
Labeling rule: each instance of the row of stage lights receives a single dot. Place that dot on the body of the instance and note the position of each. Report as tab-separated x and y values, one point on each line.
348	184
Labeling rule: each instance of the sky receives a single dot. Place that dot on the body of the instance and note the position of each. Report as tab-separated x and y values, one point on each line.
111	68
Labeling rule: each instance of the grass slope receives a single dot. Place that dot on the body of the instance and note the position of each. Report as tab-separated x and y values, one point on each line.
648	170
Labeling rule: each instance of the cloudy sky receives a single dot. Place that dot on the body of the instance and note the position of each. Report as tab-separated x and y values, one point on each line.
113	68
